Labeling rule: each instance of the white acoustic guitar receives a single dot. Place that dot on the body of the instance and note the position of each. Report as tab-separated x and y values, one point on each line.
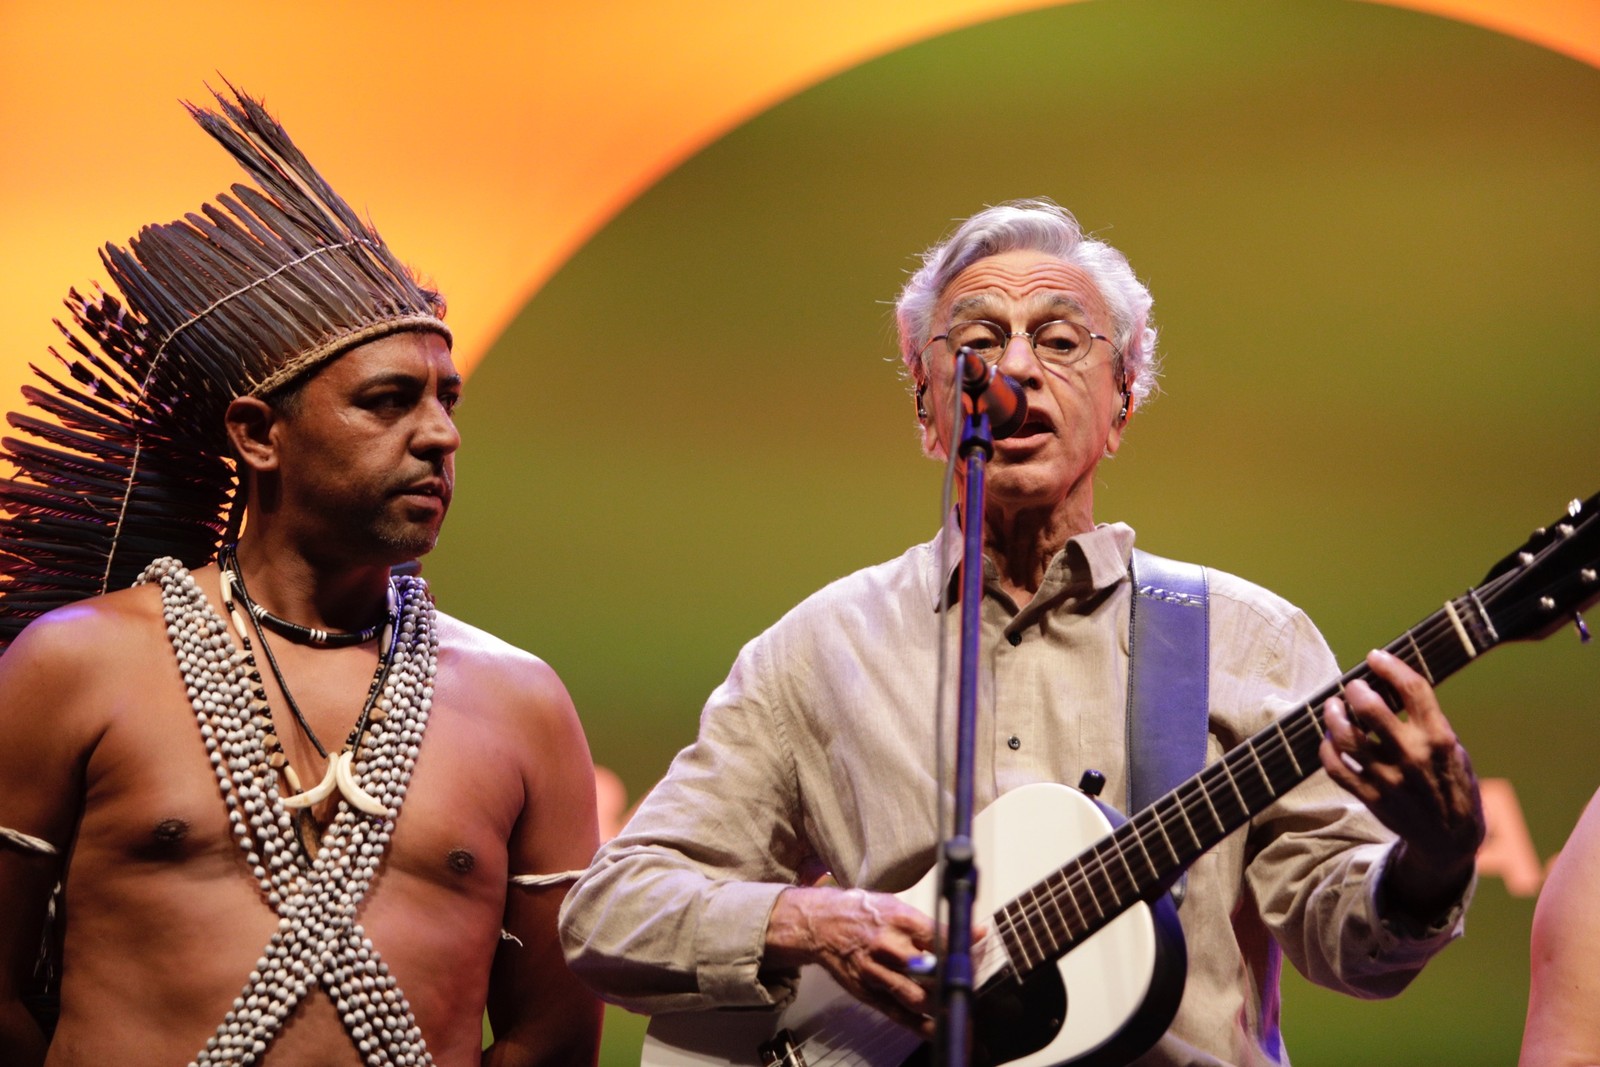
1085	964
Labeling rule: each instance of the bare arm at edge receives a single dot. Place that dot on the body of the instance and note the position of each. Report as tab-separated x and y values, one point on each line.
540	1013
1563	1029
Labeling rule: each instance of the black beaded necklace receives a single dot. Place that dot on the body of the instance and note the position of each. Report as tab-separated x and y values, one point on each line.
306	635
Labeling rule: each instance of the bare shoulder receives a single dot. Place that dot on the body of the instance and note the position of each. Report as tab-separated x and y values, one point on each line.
526	716
64	683
477	665
75	644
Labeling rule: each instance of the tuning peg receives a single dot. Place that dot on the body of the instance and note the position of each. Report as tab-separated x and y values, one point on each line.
1583	627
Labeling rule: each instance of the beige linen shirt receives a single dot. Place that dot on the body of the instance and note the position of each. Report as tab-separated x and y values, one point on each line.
817	754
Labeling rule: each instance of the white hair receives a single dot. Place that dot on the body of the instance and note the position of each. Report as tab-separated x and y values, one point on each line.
1038	225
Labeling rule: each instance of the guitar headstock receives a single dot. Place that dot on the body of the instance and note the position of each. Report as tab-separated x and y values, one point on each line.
1542	585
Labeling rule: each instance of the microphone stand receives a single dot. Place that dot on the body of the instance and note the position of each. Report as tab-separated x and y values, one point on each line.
960	886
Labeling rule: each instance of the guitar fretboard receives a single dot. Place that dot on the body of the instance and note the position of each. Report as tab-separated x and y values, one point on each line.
1144	856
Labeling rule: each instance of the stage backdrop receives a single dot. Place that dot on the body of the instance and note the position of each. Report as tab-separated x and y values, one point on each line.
1371	232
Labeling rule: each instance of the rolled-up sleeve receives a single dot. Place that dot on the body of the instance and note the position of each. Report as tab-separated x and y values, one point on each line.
672	914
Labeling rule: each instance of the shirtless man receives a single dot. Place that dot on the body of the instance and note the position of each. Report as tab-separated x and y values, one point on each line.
185	936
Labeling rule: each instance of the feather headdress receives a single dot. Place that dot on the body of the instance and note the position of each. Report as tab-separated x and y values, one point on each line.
248	296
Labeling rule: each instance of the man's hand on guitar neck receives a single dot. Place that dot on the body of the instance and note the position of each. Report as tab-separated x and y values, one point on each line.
866	941
1416	778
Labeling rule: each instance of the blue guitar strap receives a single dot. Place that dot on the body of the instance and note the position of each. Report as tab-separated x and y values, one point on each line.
1168	679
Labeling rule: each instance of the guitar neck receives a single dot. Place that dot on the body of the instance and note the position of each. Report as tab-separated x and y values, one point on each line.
1143	857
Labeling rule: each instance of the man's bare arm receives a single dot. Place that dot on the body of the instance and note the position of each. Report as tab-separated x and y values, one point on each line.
40	794
1563	1029
540	1013
26	880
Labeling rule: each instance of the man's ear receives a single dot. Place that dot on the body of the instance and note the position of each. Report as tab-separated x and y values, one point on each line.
1120	426
926	429
250	421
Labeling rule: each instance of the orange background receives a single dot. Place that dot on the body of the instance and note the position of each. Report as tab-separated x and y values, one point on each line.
488	140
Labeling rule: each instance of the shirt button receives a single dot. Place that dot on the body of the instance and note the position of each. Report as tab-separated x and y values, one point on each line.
1014	742
1015	638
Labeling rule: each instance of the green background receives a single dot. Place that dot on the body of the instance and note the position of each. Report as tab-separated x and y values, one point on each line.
1374	244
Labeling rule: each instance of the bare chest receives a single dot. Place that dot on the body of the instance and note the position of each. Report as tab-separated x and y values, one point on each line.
155	800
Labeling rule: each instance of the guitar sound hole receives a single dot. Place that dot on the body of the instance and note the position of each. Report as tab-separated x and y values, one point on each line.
1012	1020
1016	1018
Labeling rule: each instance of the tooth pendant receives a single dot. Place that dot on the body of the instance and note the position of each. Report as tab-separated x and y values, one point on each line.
344	769
317	793
340	775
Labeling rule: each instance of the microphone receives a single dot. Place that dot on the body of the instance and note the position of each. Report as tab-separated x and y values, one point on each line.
999	395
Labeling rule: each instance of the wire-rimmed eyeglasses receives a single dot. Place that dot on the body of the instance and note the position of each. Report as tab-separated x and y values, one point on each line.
1060	343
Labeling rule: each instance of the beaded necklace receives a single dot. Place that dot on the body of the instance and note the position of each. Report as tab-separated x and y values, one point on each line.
318	941
228	560
310	635
337	774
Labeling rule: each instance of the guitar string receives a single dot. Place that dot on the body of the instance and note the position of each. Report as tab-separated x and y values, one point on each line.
1026	909
855	1018
1439	632
1083	874
1272	742
1081	877
1436	631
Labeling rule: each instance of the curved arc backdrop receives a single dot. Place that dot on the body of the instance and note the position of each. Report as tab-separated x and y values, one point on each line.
489	145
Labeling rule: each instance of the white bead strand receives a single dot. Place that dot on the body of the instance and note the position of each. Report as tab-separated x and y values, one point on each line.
316	898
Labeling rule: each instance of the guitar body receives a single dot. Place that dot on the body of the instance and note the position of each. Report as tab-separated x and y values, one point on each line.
1100	1005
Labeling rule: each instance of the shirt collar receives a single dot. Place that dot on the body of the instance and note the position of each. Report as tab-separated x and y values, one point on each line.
1086	564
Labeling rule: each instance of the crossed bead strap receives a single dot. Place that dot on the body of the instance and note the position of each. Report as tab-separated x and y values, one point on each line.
318	941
